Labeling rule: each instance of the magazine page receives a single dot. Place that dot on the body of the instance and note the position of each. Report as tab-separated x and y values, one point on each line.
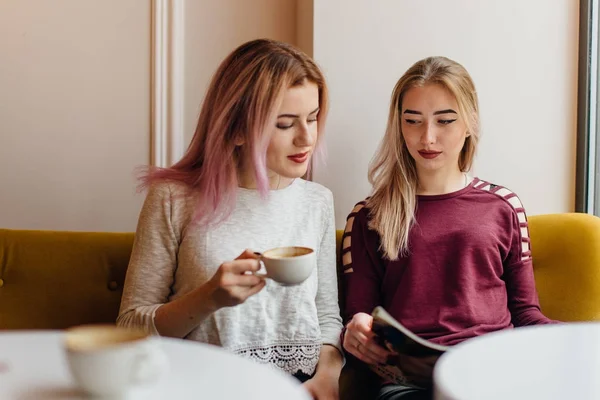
394	336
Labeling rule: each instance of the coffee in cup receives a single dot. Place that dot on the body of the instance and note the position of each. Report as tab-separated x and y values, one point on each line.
106	360
288	265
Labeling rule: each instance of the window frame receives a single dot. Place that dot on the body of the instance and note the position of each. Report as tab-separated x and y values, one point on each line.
587	193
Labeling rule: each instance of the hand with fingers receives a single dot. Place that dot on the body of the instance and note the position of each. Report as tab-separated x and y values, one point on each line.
360	341
235	281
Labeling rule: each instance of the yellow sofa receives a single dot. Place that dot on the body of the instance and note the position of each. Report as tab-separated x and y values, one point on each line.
53	280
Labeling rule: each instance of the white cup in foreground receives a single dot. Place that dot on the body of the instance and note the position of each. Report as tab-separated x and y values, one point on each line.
107	360
288	265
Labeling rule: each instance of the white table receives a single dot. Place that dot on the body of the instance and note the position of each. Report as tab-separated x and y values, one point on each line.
548	362
33	367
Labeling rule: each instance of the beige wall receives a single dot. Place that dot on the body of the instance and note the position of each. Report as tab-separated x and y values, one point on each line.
75	81
75	86
211	35
74	112
521	54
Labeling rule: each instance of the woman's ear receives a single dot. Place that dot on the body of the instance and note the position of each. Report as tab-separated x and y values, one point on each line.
239	140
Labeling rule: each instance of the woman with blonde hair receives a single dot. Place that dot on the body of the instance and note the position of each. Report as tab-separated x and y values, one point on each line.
445	254
239	187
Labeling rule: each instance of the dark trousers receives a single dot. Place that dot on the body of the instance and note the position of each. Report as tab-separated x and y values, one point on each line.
400	392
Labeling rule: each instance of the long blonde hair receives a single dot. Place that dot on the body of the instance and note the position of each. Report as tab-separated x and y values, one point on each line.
392	172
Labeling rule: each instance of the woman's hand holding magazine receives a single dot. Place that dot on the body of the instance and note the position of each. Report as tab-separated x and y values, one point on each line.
360	341
391	350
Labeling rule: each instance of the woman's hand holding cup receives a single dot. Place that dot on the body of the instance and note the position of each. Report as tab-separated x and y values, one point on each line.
235	281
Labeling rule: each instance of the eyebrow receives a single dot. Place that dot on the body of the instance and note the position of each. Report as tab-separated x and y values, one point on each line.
447	111
296	115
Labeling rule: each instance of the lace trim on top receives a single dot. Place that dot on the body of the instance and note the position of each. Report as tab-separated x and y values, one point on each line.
289	357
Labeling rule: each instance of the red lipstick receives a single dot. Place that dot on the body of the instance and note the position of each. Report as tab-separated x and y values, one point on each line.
299	158
429	154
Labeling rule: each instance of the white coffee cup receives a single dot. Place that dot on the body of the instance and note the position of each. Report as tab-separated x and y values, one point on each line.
288	265
106	360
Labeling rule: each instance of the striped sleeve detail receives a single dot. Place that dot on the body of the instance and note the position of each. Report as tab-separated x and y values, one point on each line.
514	201
483	185
347	238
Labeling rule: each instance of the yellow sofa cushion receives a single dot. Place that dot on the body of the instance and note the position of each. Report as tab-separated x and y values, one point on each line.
566	262
53	280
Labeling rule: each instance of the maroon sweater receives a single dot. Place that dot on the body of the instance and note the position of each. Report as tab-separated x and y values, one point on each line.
469	271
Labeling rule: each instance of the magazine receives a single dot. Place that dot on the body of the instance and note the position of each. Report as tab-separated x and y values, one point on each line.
394	336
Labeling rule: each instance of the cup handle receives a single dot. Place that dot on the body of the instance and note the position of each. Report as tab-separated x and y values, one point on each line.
260	260
149	363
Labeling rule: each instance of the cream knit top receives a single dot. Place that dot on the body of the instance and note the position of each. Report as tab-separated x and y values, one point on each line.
282	326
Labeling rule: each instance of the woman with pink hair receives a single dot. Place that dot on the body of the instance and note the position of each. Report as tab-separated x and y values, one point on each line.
239	187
